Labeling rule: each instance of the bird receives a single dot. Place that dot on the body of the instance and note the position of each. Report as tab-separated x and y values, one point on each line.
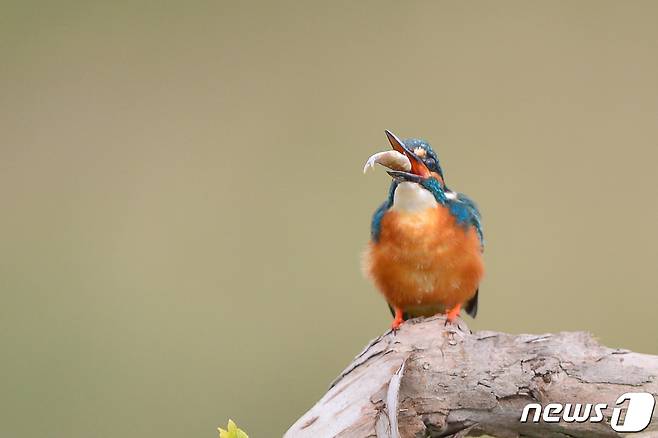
426	241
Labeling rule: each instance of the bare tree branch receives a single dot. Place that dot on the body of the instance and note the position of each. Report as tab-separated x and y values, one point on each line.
431	380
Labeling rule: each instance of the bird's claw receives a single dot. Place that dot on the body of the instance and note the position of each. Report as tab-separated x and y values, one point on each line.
452	314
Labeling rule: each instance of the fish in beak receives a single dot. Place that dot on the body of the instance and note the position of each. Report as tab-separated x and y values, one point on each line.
405	165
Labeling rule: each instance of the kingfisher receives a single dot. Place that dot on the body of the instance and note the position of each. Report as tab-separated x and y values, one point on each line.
426	242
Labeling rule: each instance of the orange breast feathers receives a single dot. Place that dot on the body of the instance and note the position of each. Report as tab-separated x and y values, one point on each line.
424	262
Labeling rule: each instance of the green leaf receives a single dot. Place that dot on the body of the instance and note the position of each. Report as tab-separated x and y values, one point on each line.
232	432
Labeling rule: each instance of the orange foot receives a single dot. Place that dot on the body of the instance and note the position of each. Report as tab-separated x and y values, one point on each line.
453	314
397	322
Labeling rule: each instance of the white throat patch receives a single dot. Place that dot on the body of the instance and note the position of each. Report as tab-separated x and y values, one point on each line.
412	197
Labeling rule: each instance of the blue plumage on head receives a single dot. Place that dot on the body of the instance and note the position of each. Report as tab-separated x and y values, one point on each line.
429	157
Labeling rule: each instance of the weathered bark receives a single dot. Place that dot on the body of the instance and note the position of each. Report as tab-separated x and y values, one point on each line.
429	379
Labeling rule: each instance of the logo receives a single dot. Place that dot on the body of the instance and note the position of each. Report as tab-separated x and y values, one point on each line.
637	414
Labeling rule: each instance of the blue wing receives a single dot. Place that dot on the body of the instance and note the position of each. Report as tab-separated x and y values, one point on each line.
467	214
376	224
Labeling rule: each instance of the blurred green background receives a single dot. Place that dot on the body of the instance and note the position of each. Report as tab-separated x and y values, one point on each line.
183	209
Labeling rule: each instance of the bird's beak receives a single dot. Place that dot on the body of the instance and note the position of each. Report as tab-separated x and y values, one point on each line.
418	169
